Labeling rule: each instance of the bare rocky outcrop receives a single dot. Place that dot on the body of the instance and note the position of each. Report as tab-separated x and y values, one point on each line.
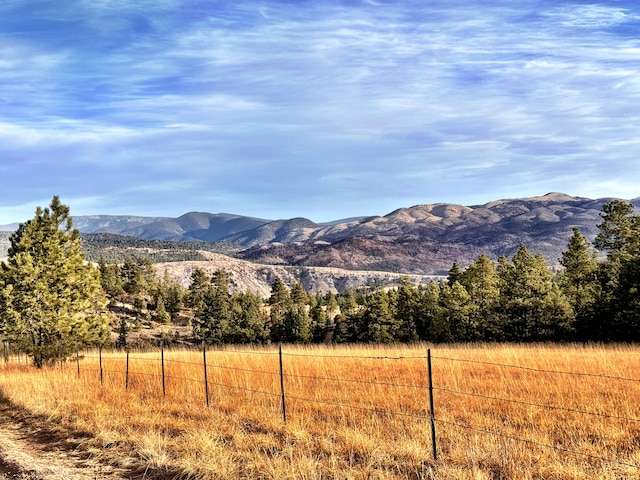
245	275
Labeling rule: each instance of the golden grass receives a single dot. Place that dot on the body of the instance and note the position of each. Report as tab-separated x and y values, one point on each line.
356	412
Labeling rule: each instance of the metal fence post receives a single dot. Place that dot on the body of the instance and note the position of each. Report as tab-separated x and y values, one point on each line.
431	409
78	360
204	363
164	390
284	405
101	373
126	375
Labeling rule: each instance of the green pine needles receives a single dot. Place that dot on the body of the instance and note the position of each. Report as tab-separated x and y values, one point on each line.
51	300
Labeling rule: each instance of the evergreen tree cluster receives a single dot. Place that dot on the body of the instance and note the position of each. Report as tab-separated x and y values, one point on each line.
52	300
516	300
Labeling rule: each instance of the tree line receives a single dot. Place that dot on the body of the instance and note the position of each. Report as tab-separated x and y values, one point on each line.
594	297
52	300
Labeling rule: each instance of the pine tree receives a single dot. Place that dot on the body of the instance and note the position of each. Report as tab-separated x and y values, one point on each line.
481	283
455	308
319	323
280	304
297	323
247	323
455	274
579	282
534	306
406	310
197	291
619	232
123	330
110	278
619	302
378	323
162	316
171	293
347	323
51	300
428	311
213	321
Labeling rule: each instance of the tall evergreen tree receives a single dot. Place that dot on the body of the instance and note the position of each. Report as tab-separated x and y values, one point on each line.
51	300
455	308
619	302
455	274
428	312
407	310
297	323
534	306
378	323
280	304
579	282
198	290
619	232
110	278
162	316
319	323
213	320
171	293
247	323
481	283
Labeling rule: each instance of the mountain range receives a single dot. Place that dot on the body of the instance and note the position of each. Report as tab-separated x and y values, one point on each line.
423	239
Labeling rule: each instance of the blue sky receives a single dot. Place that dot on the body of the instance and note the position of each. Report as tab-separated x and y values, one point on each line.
324	109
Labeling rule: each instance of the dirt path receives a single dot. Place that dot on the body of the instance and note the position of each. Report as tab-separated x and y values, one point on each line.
35	448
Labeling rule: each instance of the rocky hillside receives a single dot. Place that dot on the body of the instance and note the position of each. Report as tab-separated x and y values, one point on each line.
244	275
420	240
429	238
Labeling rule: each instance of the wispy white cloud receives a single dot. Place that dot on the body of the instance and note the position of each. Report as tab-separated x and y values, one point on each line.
320	108
589	16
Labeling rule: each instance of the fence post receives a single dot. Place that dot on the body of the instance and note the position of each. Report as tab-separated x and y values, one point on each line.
164	391
431	409
206	380
78	360
284	405
126	374
100	356
6	351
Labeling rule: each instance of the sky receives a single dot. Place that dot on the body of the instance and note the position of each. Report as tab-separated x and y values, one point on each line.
320	109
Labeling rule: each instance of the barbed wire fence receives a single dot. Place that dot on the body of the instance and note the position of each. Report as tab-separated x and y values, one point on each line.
430	389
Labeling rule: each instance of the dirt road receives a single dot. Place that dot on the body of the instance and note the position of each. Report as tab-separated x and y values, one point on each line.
36	448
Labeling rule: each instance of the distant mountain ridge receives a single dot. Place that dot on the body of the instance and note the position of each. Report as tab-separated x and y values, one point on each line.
206	227
423	239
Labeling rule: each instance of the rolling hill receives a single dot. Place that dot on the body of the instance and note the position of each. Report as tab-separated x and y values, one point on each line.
418	240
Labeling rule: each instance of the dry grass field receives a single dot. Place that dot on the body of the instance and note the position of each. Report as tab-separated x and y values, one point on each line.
501	411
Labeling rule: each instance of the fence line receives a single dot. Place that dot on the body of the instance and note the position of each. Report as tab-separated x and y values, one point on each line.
531	404
429	415
520	367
